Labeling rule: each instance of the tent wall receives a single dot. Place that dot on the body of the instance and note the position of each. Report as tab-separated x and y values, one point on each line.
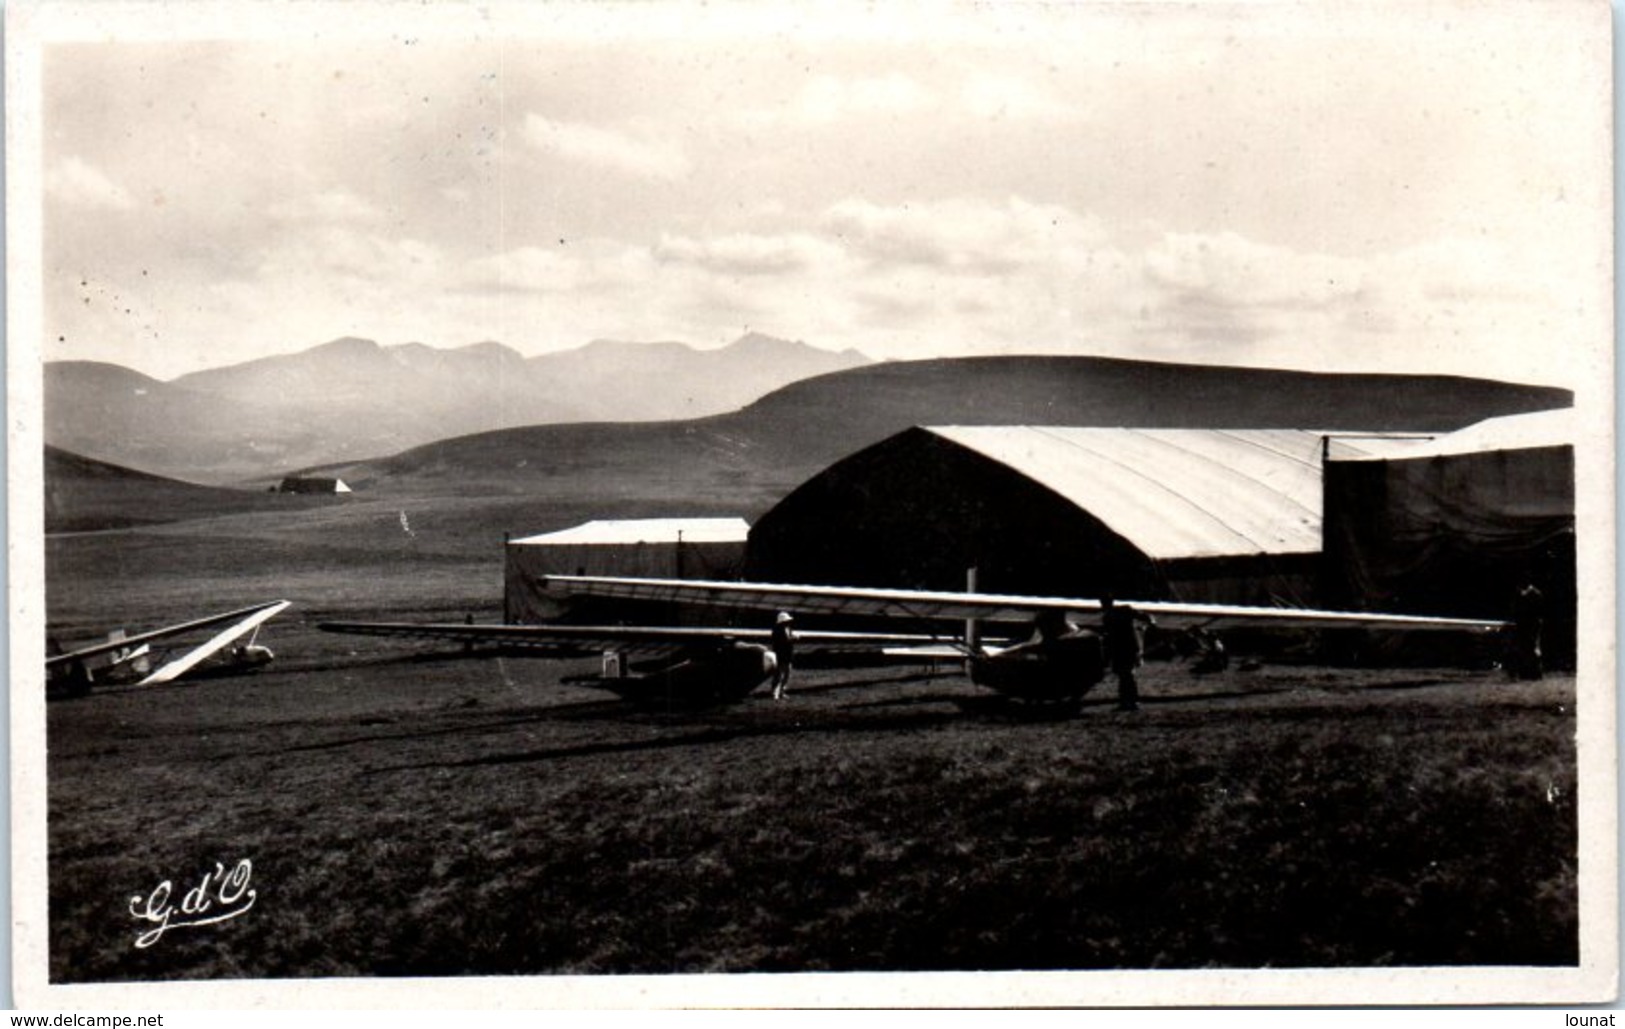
524	600
1456	534
1266	580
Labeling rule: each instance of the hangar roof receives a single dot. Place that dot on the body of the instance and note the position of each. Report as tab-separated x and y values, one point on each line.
646	530
1174	493
1511	432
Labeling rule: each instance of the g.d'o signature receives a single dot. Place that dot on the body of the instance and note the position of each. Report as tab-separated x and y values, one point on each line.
219	896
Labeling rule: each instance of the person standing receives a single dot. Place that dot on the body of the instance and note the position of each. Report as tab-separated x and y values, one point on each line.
1121	625
784	652
1528	619
1210	653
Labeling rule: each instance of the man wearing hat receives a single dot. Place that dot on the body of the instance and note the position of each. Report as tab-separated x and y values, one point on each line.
784	651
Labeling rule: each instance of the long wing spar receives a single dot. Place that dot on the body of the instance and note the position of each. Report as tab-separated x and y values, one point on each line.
988	607
585	640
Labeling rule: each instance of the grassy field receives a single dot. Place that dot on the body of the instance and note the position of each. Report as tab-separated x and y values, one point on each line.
417	813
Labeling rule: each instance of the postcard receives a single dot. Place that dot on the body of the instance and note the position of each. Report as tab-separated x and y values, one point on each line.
681	504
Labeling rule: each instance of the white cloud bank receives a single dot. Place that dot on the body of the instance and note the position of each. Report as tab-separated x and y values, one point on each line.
626	152
907	280
1220	186
78	186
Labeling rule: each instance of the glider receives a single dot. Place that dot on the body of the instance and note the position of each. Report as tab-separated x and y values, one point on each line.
74	668
669	666
1057	663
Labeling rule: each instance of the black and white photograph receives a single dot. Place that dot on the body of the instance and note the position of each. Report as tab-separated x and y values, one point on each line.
681	504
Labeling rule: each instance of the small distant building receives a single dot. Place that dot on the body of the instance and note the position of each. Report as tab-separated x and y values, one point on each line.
663	548
312	484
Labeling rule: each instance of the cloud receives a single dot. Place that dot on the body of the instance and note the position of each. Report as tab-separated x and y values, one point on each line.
1445	305
967	235
581	267
623	152
929	276
1455	270
529	269
985	276
1088	180
332	206
751	254
1007	97
76	183
827	98
1249	274
348	266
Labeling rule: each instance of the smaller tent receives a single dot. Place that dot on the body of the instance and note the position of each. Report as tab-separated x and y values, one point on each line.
666	548
312	484
1458	524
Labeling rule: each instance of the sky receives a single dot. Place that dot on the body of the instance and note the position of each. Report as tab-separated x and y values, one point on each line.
1341	187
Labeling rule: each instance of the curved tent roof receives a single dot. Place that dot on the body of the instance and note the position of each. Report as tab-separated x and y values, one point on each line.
1174	493
647	530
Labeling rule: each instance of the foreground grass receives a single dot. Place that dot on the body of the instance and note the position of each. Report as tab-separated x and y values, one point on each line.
437	818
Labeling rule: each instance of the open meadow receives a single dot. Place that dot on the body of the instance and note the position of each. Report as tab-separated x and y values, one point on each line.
411	811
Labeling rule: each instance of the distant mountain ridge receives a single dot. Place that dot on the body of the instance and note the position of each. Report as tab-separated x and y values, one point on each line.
352	398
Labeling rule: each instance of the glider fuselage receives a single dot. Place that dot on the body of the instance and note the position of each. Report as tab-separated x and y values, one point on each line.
724	674
1043	671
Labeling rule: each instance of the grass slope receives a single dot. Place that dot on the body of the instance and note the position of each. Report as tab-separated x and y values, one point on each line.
86	495
444	817
1109	391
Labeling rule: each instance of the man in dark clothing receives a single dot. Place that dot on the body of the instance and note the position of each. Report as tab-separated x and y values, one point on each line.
1121	624
1210	653
1528	618
784	652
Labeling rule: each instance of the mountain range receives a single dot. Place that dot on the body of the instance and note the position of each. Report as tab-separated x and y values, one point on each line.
352	398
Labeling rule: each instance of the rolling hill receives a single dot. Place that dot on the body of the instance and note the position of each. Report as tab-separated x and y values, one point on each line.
746	460
86	495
